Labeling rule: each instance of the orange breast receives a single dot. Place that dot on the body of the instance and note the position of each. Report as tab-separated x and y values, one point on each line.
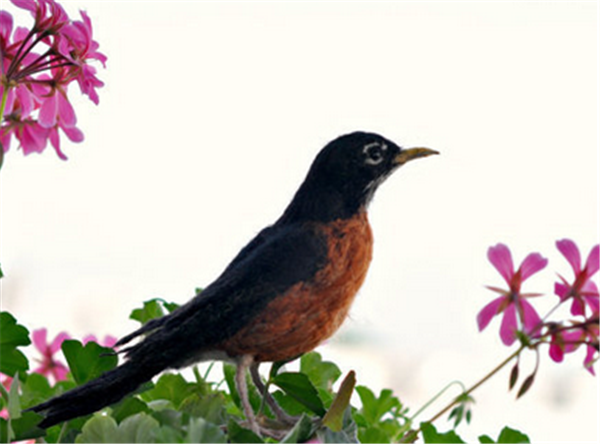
310	312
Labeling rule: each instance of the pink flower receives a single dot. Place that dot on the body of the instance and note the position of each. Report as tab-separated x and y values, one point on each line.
34	107
562	342
513	304
568	339
108	341
32	136
583	290
49	365
49	16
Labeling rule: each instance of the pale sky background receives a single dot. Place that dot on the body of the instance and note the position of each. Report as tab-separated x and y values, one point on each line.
210	118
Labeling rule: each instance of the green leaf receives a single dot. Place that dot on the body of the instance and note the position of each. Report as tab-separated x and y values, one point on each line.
374	435
35	389
238	434
299	387
508	435
12	335
322	374
200	430
208	406
137	428
99	428
485	439
431	435
25	427
335	415
168	434
128	407
6	432
347	434
374	408
89	362
171	387
301	432
14	404
152	309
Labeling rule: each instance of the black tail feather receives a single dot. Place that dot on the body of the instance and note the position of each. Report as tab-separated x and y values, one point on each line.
109	388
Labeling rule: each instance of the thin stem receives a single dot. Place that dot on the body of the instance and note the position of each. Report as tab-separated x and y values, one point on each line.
19	58
432	400
15	62
479	383
61	435
3	102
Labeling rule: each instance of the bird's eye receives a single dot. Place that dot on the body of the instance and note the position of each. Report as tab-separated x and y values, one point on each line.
374	153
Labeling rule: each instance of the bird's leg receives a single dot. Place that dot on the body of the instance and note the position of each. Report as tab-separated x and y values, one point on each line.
240	381
280	414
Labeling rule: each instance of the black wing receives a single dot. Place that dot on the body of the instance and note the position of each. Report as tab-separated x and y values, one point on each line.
275	260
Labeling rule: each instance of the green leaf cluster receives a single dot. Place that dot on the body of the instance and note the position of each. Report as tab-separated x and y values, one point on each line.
173	408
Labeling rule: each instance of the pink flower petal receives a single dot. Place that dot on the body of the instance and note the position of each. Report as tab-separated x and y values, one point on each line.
39	339
577	307
25	4
57	343
6	25
74	134
25	98
533	263
109	341
48	112
569	250
589	359
531	320
500	257
66	112
556	352
561	290
59	371
509	325
488	312
591	265
33	138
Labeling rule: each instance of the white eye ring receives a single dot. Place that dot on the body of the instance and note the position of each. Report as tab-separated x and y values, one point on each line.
374	153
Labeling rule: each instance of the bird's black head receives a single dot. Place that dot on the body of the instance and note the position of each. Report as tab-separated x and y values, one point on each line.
345	175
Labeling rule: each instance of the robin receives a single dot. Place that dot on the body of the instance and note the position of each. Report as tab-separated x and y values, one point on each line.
284	293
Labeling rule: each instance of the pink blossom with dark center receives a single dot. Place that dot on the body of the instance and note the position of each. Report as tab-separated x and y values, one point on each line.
583	289
517	312
49	364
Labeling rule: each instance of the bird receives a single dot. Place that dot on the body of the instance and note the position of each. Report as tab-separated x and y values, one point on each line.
289	289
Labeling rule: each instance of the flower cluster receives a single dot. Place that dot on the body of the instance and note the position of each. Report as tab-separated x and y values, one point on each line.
37	66
521	320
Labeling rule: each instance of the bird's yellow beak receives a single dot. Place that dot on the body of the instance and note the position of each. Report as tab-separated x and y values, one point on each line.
412	153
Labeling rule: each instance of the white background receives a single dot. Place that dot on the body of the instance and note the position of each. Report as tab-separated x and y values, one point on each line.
211	115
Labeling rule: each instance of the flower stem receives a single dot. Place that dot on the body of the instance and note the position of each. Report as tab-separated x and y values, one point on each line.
479	383
440	393
2	106
3	102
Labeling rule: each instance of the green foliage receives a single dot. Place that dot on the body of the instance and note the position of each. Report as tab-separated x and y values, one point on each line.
153	308
299	387
431	435
89	361
507	435
12	336
176	409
